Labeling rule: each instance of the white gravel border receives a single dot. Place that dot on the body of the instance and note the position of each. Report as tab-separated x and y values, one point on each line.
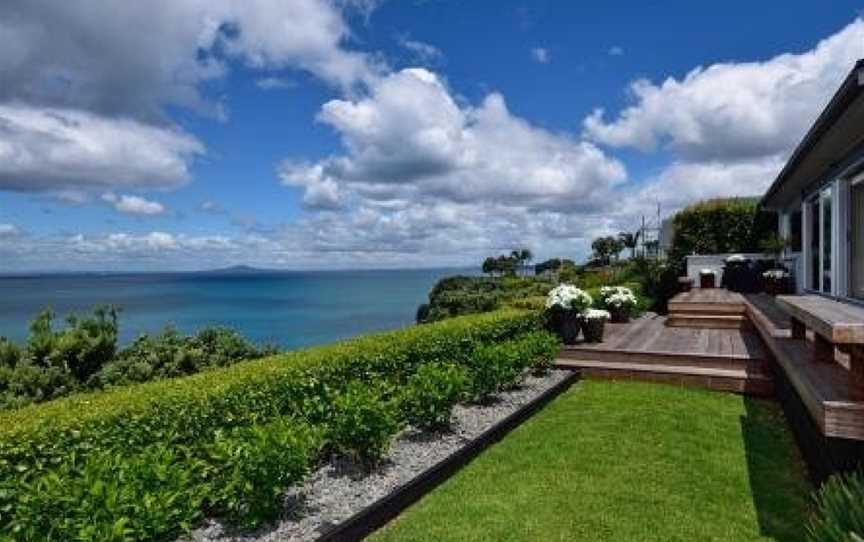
339	489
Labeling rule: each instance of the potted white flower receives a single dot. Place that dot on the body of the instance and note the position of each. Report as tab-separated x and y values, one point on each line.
593	324
565	304
777	281
620	301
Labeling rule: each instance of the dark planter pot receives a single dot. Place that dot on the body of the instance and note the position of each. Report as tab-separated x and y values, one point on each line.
619	316
706	280
566	325
593	329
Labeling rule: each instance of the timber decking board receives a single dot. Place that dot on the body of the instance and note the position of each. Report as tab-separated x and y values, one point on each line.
839	323
834	400
763	310
650	334
708	295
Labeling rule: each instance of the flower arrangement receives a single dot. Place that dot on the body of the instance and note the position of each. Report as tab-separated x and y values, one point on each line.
619	301
566	305
736	258
596	314
618	297
707	271
569	298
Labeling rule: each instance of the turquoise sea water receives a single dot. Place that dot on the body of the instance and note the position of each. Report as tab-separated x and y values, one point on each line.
290	309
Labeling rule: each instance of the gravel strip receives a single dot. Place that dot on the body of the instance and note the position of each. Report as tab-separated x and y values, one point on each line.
339	489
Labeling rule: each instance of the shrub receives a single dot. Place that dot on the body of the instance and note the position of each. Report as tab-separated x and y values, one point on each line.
81	348
171	354
839	515
10	355
56	442
363	424
141	496
431	393
84	355
540	349
251	467
720	225
494	368
458	295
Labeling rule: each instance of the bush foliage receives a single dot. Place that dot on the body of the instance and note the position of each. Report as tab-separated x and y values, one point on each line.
459	295
430	394
363	423
719	226
839	515
225	441
84	356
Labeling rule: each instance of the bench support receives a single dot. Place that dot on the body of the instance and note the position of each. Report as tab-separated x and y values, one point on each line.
823	349
856	360
799	331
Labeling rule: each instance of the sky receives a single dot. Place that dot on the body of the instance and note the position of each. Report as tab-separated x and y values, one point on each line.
314	134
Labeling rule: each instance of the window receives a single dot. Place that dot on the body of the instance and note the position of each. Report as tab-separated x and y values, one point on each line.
795	231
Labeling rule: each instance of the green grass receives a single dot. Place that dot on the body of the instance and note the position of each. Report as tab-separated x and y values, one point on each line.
626	461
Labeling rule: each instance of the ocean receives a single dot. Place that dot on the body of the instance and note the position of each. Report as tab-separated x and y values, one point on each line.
289	309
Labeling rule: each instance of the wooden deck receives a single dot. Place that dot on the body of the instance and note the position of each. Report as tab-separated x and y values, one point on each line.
708	308
648	349
834	399
709	299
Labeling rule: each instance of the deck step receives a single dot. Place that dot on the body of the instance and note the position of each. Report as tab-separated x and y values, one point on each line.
709	321
706	308
734	380
676	359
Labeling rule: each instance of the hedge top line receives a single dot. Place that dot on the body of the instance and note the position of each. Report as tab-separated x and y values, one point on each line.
79	409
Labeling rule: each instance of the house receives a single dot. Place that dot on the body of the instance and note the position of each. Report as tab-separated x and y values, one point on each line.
819	196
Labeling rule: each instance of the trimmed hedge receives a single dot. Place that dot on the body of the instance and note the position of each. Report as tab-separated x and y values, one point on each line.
60	439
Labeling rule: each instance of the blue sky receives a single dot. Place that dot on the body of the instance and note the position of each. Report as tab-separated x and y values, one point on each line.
315	134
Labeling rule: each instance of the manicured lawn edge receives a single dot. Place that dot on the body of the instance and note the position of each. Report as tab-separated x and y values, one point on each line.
376	515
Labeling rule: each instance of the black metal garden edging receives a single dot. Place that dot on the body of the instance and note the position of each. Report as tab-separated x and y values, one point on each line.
374	516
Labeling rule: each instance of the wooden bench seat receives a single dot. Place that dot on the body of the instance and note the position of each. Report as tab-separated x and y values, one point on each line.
827	381
839	323
834	324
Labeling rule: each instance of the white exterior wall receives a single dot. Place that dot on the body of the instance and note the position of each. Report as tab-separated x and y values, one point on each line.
715	262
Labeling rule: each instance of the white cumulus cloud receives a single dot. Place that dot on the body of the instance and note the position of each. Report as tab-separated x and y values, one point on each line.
733	110
49	149
409	138
133	205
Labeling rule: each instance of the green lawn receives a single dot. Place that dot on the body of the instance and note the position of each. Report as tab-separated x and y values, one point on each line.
626	461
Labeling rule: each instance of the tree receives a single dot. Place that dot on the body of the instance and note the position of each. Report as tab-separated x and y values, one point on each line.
630	240
521	257
606	247
490	266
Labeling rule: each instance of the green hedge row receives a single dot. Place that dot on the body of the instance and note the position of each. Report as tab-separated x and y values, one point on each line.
64	439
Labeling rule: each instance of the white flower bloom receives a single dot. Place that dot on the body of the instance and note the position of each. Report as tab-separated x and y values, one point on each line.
596	314
707	271
736	258
618	297
568	297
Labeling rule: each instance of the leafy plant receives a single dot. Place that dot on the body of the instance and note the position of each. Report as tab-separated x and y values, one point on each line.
540	350
839	515
251	467
431	393
720	225
363	423
56	444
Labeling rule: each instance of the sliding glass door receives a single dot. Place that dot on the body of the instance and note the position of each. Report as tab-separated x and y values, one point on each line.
856	239
820	242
